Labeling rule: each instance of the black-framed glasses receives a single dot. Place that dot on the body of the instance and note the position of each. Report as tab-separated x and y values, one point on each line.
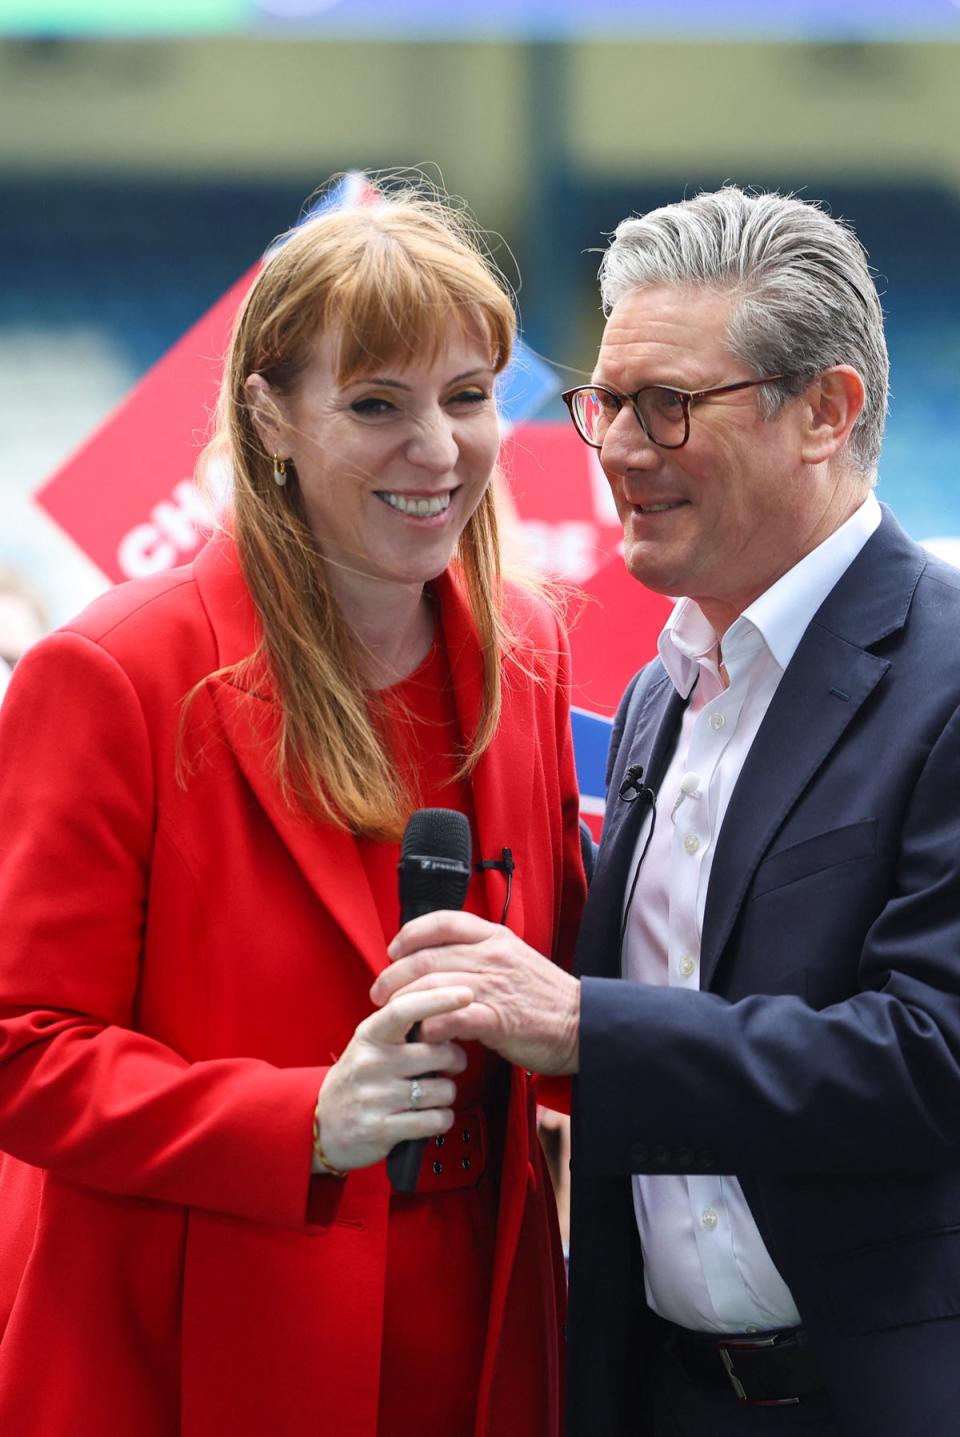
663	413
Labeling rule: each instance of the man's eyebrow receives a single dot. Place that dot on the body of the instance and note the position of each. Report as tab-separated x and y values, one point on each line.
648	384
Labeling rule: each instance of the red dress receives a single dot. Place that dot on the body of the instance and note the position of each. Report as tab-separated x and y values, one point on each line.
440	1243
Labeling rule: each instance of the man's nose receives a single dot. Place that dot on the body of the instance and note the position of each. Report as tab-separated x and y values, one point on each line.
626	445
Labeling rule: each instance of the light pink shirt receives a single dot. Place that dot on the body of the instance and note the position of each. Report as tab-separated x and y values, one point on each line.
706	1265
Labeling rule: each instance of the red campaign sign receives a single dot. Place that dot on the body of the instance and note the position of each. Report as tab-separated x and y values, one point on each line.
127	496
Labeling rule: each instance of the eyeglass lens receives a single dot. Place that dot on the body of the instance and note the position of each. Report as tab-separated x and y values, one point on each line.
661	410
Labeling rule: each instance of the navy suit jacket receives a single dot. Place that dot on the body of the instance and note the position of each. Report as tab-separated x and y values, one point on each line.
820	1062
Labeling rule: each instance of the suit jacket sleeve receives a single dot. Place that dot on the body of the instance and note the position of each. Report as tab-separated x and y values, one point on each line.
81	1092
690	1081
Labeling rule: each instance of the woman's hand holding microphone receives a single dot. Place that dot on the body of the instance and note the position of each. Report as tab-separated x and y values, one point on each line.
376	1094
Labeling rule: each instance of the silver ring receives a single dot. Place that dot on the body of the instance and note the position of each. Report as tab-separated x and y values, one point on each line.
416	1092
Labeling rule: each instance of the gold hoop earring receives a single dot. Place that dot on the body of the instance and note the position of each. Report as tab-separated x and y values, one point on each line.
279	471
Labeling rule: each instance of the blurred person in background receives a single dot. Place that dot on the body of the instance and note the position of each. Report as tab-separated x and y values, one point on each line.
23	620
766	1027
204	780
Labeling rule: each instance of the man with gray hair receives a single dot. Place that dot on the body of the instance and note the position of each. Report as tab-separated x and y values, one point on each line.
765	1026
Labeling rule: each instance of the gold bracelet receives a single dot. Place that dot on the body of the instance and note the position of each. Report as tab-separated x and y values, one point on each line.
326	1166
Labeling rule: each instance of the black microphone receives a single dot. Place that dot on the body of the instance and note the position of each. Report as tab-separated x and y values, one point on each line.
632	786
434	872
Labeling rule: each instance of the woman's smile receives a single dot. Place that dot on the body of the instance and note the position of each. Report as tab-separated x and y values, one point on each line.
417	506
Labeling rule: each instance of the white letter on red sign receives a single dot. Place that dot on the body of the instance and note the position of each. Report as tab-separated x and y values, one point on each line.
182	517
144	551
177	528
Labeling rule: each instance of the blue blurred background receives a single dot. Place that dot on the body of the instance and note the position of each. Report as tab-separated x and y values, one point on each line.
149	153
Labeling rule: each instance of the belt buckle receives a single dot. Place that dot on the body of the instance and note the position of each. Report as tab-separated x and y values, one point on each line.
762	1342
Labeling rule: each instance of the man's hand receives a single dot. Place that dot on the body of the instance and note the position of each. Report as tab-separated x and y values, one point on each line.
525	1008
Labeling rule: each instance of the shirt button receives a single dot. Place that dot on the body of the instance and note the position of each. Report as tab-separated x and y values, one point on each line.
708	1219
691	843
686	965
717	721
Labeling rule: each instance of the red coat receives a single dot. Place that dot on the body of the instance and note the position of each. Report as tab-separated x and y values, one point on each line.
177	965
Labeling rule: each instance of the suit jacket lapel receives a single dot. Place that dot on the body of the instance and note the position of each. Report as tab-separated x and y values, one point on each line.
326	855
650	733
818	697
829	677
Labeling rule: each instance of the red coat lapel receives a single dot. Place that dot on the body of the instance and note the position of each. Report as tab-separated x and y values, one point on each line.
503	778
327	856
502	785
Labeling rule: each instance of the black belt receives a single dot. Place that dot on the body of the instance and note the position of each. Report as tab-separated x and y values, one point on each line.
766	1369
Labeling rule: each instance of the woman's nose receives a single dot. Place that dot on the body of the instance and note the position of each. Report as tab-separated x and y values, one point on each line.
434	445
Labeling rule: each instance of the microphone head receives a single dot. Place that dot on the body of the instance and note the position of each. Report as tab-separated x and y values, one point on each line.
434	868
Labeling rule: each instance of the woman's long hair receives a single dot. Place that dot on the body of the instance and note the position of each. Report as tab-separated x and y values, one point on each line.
391	278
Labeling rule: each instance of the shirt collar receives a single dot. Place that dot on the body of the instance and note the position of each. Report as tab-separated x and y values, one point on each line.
780	615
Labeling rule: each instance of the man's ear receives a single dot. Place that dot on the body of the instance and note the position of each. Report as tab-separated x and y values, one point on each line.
834	401
267	414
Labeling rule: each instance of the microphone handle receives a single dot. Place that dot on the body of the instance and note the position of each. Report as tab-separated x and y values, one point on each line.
404	1159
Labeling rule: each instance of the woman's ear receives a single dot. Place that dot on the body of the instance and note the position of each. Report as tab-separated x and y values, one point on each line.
834	399
267	414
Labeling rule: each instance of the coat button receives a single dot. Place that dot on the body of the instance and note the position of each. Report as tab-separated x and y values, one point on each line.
660	1156
438	1168
639	1155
